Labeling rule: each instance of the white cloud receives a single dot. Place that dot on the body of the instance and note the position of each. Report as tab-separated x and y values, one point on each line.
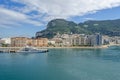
9	18
50	9
67	8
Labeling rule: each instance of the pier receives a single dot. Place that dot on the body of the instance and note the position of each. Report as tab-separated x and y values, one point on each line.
15	49
9	49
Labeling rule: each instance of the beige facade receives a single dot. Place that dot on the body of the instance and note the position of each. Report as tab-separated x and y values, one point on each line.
40	42
23	41
18	41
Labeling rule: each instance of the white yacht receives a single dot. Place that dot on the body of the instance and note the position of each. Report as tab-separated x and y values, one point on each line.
31	50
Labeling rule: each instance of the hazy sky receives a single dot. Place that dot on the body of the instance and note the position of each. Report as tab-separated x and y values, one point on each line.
25	17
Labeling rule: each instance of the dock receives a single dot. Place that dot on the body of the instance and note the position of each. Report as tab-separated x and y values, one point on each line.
9	49
15	49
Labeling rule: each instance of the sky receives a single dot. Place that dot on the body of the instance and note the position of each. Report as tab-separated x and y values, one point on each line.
26	17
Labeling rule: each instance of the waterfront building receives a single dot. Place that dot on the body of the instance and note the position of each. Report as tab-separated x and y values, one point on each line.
105	40
95	40
18	41
40	42
84	40
66	39
112	40
24	41
74	39
117	39
58	42
98	39
7	40
51	42
77	40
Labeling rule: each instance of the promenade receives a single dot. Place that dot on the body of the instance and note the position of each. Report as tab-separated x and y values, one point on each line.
89	47
15	49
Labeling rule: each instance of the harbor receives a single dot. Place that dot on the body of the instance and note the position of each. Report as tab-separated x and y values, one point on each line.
45	49
62	64
17	50
9	49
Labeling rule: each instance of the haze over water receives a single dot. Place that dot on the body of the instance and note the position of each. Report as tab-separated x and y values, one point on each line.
62	64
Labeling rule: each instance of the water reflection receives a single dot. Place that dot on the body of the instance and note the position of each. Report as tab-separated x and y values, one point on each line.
62	64
111	53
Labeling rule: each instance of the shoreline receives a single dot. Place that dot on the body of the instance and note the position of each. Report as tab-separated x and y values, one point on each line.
59	47
98	47
80	47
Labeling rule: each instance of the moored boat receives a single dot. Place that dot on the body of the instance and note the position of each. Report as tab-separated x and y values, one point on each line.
31	50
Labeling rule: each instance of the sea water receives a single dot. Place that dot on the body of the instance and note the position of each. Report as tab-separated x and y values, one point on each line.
62	64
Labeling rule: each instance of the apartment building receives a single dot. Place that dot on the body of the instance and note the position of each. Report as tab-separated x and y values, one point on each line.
24	41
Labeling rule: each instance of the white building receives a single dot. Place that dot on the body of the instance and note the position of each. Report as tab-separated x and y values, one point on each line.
7	40
51	42
105	40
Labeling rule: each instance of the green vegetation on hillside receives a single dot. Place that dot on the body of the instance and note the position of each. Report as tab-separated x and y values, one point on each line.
106	27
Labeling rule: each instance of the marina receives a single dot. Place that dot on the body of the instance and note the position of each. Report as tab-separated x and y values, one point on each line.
22	50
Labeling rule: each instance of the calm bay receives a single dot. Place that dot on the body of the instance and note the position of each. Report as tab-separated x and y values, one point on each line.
62	64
